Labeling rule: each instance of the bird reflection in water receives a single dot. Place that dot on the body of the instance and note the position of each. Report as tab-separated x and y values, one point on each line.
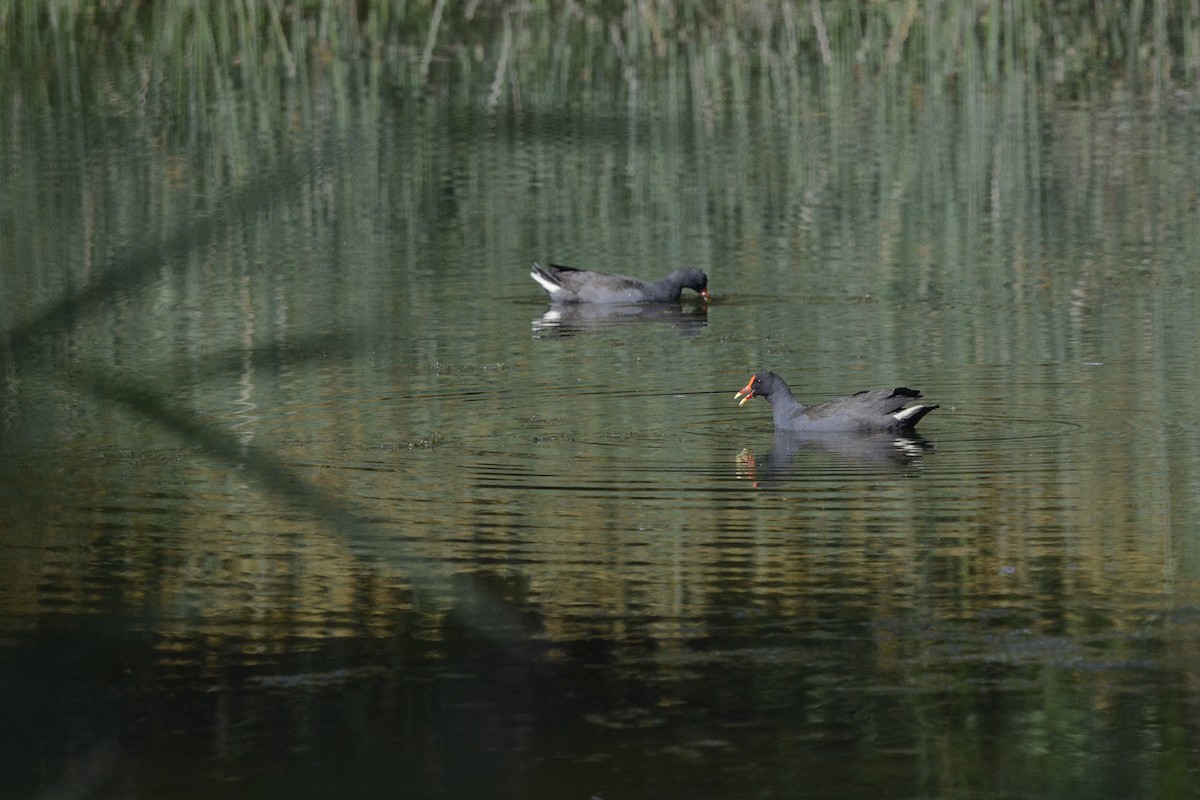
563	319
885	452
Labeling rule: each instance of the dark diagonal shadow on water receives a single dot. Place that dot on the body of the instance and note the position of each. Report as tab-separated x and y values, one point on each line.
145	265
142	266
507	628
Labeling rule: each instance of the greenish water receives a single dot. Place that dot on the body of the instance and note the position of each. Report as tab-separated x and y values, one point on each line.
304	493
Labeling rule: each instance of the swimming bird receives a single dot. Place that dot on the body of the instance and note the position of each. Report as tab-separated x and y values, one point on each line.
570	285
879	411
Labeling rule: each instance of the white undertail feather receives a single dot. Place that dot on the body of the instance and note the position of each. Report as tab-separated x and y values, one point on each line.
905	413
553	288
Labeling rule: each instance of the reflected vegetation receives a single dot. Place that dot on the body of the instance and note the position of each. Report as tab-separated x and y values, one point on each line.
285	475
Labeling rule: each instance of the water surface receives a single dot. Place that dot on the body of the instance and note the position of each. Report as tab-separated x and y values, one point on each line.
316	498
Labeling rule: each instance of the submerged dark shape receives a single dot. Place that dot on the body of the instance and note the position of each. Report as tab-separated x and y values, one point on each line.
880	411
570	285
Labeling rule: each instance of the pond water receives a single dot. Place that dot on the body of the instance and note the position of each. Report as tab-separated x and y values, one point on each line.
307	492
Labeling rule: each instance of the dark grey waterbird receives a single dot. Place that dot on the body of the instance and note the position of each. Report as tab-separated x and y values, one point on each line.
570	285
883	410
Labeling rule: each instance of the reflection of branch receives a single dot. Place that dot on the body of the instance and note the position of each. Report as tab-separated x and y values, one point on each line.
485	615
822	33
431	39
501	65
270	471
900	35
281	40
144	266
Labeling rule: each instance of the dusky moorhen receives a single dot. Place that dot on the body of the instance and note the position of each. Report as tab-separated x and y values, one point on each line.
570	285
879	411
